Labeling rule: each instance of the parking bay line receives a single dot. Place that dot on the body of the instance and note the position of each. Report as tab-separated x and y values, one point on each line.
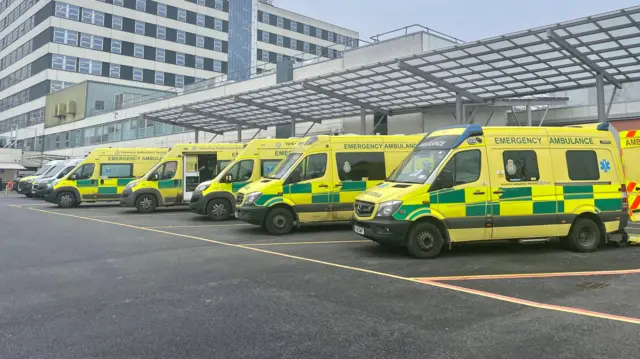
299	243
500	297
531	275
203	225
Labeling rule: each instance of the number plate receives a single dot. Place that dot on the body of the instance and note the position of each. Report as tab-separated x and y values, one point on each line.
358	230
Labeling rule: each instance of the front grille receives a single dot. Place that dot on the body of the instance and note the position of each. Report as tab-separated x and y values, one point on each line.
195	198
239	198
364	209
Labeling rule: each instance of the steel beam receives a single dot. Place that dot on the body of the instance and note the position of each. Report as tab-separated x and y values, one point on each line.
308	129
529	119
459	110
194	111
613	95
363	121
582	58
275	109
429	77
185	125
345	99
602	111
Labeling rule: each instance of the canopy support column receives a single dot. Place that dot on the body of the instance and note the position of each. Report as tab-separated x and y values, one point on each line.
363	121
602	111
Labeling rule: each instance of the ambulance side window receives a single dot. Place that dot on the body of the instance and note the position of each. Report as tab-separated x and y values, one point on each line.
241	171
169	170
355	166
464	167
85	172
583	165
521	166
312	167
110	170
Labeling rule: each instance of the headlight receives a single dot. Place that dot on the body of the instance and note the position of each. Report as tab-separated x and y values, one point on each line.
131	184
202	186
386	209
252	197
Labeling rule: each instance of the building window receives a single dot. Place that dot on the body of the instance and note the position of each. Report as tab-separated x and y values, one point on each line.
67	11
280	21
161	32
179	58
306	29
294	26
114	71
217	24
141	5
118	2
318	50
159	79
160	55
181	36
265	55
583	165
199	62
330	53
92	67
162	10
200	19
217	66
91	41
179	81
182	15
280	40
330	36
139	27
339	38
520	166
217	45
305	46
294	44
265	17
218	5
61	62
116	46
202	2
199	41
137	74
318	33
279	57
63	36
92	17
138	51
265	36
116	22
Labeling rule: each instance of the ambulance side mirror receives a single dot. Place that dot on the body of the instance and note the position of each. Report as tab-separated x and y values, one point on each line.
228	178
153	177
73	177
444	180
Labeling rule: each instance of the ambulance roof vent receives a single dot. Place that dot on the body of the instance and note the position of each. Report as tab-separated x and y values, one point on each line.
603	126
470	131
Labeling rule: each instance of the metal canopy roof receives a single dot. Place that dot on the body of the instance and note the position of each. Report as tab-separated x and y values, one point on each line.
554	58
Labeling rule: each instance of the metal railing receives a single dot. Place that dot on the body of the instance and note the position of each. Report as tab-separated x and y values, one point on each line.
406	30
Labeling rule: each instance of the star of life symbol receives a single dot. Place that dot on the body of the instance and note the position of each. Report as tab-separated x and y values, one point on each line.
511	167
347	167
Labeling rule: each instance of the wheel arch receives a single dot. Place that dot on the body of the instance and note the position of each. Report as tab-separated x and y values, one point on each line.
436	222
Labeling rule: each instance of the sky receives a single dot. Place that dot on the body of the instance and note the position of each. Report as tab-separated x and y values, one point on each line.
467	20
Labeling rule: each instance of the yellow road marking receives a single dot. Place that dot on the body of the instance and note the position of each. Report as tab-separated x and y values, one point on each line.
382	274
205	225
296	243
531	275
14	205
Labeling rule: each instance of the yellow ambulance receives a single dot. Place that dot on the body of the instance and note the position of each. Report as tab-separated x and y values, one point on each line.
173	180
102	175
319	180
473	183
216	198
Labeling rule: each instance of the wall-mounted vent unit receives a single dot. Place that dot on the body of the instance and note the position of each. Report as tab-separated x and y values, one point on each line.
71	107
61	110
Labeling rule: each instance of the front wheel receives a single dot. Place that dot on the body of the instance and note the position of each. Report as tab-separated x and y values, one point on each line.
424	241
584	236
66	200
146	203
279	221
218	209
29	195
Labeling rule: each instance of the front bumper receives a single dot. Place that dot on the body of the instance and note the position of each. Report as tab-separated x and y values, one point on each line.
251	214
197	204
50	195
25	188
40	190
127	199
384	231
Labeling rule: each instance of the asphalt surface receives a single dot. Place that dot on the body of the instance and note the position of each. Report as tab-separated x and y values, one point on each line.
105	282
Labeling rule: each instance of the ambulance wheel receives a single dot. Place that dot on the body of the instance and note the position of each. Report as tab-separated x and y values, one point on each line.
146	203
218	209
279	221
424	241
29	195
584	235
66	200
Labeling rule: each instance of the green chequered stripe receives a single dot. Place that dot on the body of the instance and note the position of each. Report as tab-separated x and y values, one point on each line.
353	186
86	183
578	192
329	197
169	183
124	181
263	199
236	186
406	209
107	190
448	196
516	194
609	204
476	209
298	188
545	207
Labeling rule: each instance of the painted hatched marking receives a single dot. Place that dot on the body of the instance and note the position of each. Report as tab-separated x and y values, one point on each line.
631	133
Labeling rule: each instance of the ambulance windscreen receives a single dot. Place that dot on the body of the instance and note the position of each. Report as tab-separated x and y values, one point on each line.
284	166
418	166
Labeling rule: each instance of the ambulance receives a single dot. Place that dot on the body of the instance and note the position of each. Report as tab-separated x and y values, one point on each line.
25	184
40	185
102	175
216	198
473	183
319	180
173	180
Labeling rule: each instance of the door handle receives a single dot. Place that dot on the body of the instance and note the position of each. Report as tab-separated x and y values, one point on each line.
279	193
93	181
175	182
498	192
339	185
478	192
323	186
637	188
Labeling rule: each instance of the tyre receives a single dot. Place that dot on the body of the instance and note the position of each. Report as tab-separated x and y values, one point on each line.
146	203
29	195
218	209
584	235
279	221
66	200
424	241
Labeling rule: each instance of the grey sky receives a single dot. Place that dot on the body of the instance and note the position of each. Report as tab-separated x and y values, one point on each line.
464	19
